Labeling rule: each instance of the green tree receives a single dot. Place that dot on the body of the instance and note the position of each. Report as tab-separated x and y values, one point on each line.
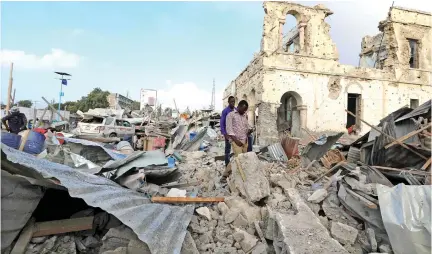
25	103
136	105
95	99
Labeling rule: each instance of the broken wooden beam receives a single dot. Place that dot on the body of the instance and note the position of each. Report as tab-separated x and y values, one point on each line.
407	136
366	202
53	109
413	172
388	136
62	226
186	199
24	238
427	164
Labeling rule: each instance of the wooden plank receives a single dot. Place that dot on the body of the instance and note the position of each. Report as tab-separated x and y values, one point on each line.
63	226
24	238
186	199
53	109
388	136
362	199
9	93
330	170
413	172
407	136
427	164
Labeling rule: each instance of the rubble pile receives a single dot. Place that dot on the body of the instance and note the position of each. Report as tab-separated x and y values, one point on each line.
167	197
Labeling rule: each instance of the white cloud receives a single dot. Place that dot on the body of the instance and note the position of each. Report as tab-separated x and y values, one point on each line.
57	58
188	94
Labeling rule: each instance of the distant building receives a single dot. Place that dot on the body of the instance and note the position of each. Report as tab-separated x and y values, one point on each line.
116	100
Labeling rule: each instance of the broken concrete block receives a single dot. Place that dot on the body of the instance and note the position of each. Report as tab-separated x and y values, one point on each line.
231	215
260	248
302	232
372	240
119	250
137	247
255	186
385	248
250	212
223	208
40	239
343	233
174	192
240	222
318	196
246	240
204	212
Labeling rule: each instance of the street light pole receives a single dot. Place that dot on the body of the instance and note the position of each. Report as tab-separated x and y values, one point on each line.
63	82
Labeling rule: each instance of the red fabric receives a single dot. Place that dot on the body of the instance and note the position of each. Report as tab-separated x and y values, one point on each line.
40	130
61	140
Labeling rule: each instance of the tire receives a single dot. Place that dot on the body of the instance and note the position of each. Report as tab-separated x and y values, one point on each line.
112	135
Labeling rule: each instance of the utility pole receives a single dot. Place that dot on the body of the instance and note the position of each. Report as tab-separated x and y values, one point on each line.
63	82
8	104
213	100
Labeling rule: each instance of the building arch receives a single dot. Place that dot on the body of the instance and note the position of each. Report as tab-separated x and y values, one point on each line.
291	113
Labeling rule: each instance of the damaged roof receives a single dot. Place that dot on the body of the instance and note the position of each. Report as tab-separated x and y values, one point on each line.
162	227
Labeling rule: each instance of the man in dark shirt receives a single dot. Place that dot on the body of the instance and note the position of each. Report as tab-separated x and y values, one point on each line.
225	112
16	121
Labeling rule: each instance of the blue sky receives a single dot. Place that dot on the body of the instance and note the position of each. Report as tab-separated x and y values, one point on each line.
175	47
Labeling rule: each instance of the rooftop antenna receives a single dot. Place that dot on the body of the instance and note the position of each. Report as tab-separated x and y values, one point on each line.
213	100
63	82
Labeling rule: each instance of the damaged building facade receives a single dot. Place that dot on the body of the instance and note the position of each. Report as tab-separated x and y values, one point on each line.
296	81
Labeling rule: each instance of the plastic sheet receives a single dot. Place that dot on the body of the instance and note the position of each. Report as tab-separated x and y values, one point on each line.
406	213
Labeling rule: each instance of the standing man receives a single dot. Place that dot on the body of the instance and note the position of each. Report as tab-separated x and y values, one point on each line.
225	112
237	127
17	121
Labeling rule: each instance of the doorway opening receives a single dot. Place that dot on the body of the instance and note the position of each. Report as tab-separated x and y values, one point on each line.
354	106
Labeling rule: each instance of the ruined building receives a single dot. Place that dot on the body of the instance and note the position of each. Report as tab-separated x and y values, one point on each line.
296	81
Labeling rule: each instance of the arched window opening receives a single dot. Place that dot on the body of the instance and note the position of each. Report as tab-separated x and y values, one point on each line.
290	35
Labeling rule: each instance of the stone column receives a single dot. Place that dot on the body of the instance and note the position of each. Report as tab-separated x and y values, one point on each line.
301	29
281	25
303	116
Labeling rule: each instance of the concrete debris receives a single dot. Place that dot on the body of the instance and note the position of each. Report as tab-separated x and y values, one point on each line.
385	248
372	240
318	196
246	240
255	186
343	233
231	215
204	212
302	232
260	248
189	246
223	208
174	192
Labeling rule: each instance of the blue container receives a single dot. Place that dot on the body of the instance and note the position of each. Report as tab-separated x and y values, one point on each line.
192	135
34	143
11	139
171	162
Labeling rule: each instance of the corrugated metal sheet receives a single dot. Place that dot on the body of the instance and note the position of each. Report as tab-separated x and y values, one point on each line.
19	198
277	152
162	227
404	127
316	150
420	110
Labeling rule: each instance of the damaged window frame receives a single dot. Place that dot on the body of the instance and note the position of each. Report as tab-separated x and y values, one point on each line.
414	53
